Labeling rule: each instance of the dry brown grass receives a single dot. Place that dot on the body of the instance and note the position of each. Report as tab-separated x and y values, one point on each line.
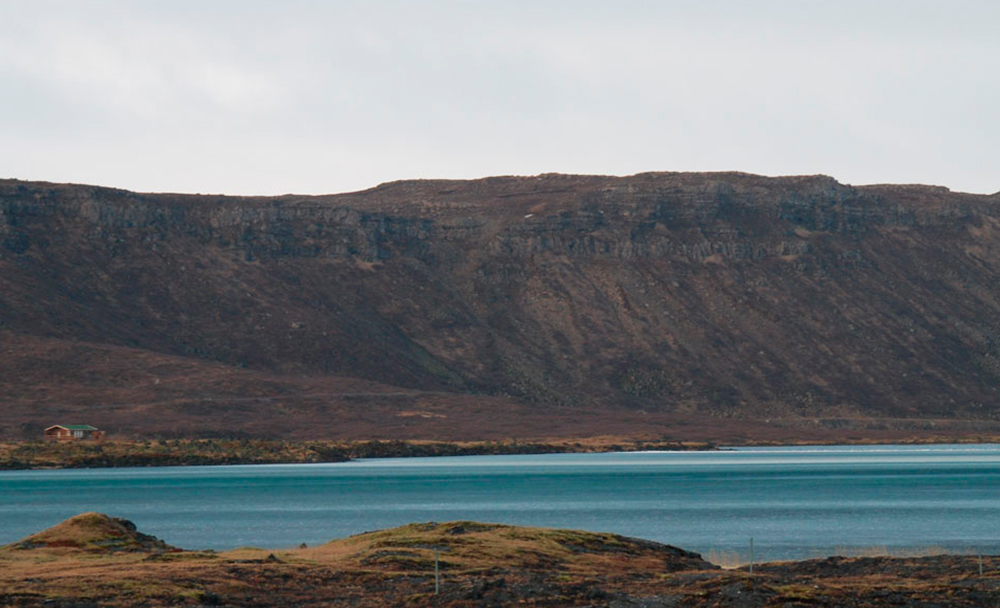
90	533
481	565
471	546
901	552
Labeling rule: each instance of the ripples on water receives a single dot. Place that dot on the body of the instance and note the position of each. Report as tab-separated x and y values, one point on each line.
795	502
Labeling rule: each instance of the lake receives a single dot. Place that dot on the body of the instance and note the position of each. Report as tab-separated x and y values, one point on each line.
795	502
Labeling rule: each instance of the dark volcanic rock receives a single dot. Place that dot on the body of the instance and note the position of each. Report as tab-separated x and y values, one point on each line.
726	294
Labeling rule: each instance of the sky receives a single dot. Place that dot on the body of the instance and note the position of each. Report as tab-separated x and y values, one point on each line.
252	97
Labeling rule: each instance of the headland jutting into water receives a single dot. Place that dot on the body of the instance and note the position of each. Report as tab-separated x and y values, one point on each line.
192	452
197	452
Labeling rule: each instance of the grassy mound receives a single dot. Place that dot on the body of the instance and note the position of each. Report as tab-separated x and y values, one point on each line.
468	546
92	533
96	560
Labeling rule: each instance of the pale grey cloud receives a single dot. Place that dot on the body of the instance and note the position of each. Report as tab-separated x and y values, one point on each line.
267	97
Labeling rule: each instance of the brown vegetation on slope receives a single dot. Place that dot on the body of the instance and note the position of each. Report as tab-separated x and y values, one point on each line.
90	533
571	302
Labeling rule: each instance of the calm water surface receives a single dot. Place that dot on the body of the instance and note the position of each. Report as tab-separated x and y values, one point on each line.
794	502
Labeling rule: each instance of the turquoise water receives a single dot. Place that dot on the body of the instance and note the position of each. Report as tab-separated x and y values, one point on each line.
794	502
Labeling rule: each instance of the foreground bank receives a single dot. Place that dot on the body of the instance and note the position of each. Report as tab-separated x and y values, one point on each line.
96	560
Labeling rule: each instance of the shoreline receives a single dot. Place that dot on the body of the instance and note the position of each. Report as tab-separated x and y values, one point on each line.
117	453
43	455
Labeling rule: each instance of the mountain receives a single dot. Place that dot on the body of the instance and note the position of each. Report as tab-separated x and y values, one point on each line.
660	303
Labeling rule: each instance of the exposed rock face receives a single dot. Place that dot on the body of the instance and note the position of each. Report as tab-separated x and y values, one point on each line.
721	294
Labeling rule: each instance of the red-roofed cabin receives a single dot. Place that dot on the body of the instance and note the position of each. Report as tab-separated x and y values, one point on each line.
73	432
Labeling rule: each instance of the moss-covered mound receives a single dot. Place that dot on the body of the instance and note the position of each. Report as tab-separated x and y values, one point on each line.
465	545
92	533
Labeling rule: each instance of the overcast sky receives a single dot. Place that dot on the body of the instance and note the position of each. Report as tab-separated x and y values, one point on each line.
247	97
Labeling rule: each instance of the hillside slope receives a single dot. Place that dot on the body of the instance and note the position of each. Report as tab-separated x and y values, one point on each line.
688	296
